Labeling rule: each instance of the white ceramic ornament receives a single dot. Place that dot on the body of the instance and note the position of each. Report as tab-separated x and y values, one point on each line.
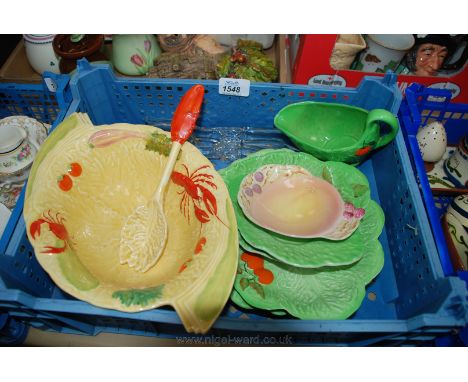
432	141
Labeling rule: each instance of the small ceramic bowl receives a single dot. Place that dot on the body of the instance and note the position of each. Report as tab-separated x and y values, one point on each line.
72	47
288	200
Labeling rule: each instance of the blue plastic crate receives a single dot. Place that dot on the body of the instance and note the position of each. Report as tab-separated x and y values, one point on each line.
410	302
48	103
421	106
12	331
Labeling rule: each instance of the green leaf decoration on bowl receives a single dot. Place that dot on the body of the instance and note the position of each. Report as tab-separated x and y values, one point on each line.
329	293
140	297
351	183
160	143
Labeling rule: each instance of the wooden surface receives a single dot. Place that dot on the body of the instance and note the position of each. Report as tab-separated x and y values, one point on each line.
17	68
38	337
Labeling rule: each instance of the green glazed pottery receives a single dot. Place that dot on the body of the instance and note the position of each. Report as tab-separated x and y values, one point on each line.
306	253
329	293
133	54
237	299
248	248
336	132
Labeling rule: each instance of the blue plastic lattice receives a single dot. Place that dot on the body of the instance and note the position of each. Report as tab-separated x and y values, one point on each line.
409	301
18	266
422	106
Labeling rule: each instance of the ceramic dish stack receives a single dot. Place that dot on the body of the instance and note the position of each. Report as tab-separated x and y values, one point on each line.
308	278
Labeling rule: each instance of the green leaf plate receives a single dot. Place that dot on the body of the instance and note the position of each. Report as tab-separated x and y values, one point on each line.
248	248
306	253
329	293
237	299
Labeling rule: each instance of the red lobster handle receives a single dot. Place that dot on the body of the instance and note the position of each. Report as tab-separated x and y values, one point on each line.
186	114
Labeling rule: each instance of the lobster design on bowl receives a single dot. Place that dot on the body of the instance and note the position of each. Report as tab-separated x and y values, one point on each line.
56	226
203	200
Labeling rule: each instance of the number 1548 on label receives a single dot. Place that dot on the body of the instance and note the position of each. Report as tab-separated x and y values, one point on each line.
234	87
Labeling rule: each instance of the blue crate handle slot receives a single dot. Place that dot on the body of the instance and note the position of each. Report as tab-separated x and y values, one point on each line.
417	94
64	97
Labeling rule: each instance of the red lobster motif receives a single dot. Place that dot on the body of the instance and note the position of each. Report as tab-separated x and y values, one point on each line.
56	226
204	202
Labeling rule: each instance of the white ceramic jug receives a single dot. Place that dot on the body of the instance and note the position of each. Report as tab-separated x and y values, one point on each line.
40	52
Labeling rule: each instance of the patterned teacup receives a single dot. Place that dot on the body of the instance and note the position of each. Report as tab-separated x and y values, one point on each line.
20	138
16	151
